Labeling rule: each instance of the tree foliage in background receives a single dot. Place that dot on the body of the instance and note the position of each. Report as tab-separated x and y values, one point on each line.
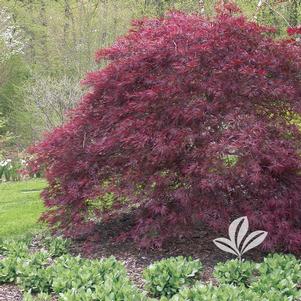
191	120
5	137
56	40
49	99
11	36
13	71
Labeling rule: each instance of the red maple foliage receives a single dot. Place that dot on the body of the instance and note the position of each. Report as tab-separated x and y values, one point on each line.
294	30
191	120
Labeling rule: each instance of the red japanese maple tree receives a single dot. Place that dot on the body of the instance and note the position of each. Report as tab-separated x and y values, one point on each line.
191	120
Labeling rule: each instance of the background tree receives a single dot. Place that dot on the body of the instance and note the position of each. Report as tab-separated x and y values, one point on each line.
49	100
5	137
294	12
59	39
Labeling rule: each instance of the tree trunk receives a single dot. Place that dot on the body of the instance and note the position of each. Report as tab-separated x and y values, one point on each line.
43	22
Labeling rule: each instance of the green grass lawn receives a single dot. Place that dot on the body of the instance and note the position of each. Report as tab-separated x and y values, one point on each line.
20	208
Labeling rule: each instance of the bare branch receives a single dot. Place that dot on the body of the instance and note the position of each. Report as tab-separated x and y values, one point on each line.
49	99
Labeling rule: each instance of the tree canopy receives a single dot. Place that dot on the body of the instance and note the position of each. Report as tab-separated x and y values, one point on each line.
192	119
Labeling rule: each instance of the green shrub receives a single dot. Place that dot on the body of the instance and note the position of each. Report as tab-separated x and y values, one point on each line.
235	272
106	291
273	295
167	276
277	278
76	273
57	246
38	297
279	274
13	248
14	252
210	293
71	273
278	284
279	263
34	273
118	290
79	279
8	273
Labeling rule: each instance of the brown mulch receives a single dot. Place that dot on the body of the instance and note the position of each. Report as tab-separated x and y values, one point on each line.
199	246
9	292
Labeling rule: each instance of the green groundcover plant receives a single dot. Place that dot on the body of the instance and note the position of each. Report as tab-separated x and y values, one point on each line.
57	246
167	276
52	272
235	272
34	273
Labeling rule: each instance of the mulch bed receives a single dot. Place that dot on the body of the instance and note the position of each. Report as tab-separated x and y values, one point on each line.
10	293
199	246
